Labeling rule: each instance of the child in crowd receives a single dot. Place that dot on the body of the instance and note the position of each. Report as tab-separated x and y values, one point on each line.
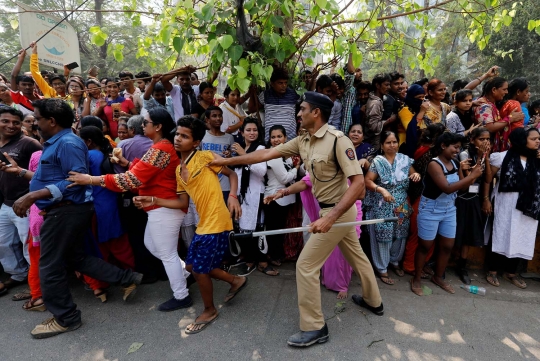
200	182
218	142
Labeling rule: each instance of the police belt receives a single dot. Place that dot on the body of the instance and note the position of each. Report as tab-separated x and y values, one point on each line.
326	205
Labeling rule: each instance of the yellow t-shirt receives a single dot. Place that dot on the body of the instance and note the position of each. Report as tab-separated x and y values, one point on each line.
203	187
405	117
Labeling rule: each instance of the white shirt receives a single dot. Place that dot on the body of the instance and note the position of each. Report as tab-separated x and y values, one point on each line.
229	118
278	178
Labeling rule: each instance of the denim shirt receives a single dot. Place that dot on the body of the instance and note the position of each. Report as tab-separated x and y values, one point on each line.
62	153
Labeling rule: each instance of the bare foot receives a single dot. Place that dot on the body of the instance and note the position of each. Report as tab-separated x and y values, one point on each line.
202	321
342	295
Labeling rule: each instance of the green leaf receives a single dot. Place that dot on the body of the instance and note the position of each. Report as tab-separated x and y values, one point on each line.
226	41
256	69
244	63
249	4
277	21
243	84
531	25
98	39
118	55
268	70
135	346
14	23
165	34
285	9
242	73
94	30
321	3
178	44
280	55
207	12
235	52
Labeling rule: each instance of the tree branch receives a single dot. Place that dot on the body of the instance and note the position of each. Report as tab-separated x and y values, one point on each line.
307	36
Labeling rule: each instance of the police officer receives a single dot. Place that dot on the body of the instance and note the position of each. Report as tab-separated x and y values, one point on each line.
330	159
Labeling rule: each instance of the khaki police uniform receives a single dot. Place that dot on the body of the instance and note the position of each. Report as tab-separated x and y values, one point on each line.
329	186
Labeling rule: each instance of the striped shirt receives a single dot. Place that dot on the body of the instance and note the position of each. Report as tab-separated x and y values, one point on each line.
279	110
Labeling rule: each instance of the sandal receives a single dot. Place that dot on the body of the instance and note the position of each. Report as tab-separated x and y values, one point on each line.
101	296
30	305
268	270
204	324
233	294
492	279
428	270
398	271
515	280
423	276
386	279
276	263
445	286
416	290
21	296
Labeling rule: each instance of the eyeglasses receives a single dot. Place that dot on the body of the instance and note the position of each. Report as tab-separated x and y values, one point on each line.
146	122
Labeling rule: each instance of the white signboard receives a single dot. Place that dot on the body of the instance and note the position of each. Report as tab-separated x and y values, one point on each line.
59	47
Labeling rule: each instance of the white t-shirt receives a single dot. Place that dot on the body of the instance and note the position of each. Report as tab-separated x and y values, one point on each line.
229	118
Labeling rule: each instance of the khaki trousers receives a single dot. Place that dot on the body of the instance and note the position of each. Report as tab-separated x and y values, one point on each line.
309	264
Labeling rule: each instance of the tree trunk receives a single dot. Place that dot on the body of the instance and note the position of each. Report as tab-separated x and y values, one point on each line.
423	42
99	21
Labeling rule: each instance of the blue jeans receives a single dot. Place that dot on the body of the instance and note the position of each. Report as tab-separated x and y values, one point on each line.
13	248
437	216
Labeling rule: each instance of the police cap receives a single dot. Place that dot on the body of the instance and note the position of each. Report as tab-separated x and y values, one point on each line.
318	100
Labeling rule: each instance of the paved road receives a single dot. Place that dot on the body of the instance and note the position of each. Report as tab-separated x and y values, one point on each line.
503	325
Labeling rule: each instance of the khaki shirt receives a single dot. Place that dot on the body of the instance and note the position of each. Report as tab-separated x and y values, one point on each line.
317	152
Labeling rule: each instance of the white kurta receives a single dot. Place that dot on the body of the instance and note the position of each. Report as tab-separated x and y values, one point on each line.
250	205
514	234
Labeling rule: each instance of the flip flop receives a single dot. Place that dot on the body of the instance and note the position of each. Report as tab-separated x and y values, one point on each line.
233	294
21	296
387	280
493	279
447	287
398	271
205	324
418	290
516	281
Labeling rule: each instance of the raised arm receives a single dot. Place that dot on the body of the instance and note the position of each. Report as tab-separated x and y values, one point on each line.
437	174
17	69
46	89
150	88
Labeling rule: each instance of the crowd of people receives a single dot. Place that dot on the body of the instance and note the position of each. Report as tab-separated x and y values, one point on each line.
142	177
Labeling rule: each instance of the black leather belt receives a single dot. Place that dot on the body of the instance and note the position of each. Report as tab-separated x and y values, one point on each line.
326	205
54	206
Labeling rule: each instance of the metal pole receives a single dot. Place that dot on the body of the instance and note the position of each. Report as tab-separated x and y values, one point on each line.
336	225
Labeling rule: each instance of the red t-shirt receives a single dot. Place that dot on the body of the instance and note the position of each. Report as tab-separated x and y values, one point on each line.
126	105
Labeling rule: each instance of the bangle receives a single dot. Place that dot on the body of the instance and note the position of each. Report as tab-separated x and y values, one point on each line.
90	179
376	187
286	192
232	195
478	78
102	181
486	198
152	203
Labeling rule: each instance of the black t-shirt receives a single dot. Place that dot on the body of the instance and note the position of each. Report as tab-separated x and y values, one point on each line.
20	148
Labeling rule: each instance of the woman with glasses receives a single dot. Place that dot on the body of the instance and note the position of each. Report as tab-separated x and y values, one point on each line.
154	175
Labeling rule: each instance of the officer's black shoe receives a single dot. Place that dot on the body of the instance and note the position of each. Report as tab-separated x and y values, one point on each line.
308	338
379	311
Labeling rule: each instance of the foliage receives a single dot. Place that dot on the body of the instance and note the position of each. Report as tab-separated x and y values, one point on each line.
516	50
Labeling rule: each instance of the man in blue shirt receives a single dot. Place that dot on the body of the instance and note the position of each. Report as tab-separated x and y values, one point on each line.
67	216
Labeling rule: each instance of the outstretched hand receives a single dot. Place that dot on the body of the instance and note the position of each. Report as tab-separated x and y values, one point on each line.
78	179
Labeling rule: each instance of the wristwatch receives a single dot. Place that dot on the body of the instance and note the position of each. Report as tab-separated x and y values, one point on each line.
22	172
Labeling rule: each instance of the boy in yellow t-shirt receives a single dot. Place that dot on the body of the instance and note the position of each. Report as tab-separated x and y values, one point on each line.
200	182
